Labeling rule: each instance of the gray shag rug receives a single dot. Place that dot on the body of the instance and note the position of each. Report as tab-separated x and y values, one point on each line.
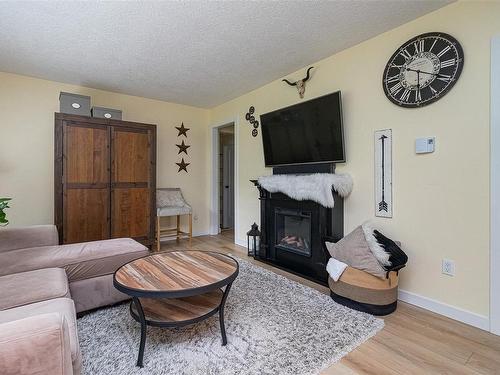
274	326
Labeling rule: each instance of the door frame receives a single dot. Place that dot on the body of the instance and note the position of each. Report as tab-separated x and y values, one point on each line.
495	188
214	179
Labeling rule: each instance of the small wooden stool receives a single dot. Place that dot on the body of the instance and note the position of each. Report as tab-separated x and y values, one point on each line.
170	202
362	291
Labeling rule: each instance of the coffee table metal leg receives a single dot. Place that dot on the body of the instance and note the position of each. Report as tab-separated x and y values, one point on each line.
221	314
140	312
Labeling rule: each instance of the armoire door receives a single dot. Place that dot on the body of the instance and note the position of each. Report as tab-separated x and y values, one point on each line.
130	183
86	187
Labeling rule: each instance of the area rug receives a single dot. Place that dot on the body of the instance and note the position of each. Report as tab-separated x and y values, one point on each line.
274	326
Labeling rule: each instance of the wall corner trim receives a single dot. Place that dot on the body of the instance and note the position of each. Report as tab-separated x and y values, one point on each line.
464	316
495	187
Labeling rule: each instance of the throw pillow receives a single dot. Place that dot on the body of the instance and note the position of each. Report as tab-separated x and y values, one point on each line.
353	250
397	257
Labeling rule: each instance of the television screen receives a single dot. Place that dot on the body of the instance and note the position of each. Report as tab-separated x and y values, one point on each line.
309	132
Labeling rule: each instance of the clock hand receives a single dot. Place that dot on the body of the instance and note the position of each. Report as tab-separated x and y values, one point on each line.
420	71
418	85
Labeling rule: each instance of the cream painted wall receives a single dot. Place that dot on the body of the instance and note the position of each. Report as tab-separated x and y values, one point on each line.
441	200
27	107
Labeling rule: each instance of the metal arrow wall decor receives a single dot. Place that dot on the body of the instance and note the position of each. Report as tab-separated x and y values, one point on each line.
383	173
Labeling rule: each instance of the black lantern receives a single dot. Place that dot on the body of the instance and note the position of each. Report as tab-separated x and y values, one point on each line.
253	240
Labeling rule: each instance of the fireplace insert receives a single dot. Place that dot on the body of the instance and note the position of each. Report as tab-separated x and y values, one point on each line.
293	231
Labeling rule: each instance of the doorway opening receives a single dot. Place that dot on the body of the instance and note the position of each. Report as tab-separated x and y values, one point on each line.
226	180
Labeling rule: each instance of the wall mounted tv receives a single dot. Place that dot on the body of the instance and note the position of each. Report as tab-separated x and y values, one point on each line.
309	132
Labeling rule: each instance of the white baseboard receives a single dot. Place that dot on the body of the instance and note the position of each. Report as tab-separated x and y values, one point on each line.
199	234
240	242
464	316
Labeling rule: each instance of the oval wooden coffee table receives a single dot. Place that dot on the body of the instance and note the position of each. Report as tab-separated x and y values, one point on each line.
176	289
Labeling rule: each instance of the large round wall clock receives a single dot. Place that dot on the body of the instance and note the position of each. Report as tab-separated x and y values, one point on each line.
423	70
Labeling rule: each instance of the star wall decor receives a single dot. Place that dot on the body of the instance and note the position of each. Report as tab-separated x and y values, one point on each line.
182	130
183	148
182	166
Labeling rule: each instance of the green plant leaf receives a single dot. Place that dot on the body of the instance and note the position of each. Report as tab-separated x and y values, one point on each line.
3	216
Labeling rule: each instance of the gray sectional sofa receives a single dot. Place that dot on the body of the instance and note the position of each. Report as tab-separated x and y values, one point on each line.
42	287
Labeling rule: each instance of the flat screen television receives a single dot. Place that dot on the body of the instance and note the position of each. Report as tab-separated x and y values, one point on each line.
309	132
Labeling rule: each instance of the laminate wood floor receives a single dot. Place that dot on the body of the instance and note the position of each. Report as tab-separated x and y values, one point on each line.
413	341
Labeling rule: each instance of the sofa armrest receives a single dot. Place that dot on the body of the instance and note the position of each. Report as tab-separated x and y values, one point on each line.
36	345
32	236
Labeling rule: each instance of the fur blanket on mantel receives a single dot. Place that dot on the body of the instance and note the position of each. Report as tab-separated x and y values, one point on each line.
316	187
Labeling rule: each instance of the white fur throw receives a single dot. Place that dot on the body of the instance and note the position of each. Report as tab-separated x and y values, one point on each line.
377	250
316	187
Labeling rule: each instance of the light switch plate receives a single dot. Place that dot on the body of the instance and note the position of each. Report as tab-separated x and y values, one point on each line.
425	145
448	267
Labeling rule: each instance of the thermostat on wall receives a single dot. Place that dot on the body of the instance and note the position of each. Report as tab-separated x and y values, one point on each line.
425	145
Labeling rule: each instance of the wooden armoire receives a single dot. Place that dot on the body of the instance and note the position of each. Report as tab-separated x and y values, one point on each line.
105	179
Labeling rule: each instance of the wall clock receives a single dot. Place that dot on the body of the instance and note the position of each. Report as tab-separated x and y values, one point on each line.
423	70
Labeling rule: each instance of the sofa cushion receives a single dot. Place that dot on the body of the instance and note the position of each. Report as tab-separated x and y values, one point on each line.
63	306
92	293
80	260
13	238
33	286
36	345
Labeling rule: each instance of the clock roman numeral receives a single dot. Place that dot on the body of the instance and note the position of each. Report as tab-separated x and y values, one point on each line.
396	88
405	54
418	96
419	45
396	66
443	51
405	96
433	90
444	77
393	79
433	44
447	63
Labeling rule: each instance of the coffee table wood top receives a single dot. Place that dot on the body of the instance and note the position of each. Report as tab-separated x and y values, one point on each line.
176	274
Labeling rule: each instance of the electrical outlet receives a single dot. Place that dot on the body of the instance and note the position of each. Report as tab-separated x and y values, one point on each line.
448	267
195	218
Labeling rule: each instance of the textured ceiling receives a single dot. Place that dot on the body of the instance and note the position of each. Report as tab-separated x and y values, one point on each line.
195	53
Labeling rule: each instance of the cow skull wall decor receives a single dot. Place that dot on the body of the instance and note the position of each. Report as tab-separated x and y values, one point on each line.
301	83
